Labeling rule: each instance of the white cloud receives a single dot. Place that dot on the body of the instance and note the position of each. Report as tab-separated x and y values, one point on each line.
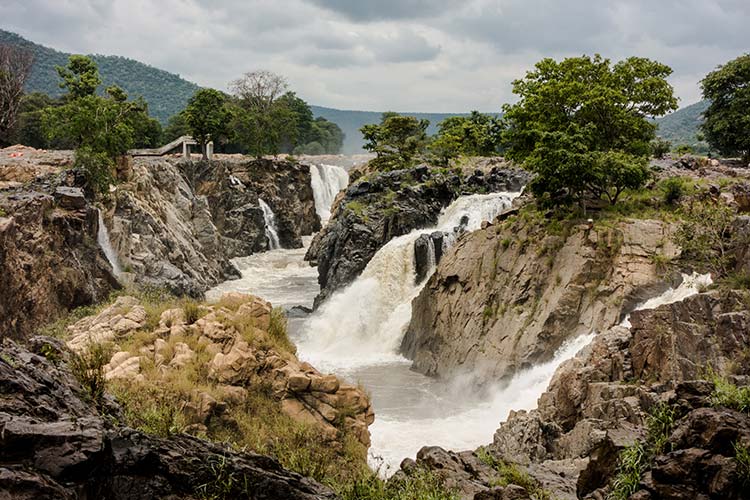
415	55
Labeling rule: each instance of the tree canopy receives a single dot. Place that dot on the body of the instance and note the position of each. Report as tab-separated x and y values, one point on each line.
397	140
207	117
101	128
582	124
15	66
727	118
475	135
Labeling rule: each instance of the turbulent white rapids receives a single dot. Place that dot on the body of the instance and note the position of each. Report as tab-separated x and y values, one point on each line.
327	181
363	324
357	332
270	219
102	237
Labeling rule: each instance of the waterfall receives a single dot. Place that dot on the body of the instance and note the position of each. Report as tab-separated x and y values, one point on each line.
365	322
272	234
102	237
475	426
326	181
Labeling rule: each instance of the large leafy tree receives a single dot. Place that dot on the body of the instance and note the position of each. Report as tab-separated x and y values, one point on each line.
207	117
582	124
474	135
100	128
727	119
398	141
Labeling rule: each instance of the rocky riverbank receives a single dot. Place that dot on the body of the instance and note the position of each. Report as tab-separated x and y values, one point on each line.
380	206
177	224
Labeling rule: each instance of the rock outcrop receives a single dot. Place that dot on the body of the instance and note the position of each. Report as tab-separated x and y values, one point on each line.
506	297
600	401
49	255
54	444
232	342
177	224
383	205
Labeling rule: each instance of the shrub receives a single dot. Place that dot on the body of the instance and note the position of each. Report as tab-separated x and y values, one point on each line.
88	369
419	484
742	457
672	190
705	235
728	395
510	474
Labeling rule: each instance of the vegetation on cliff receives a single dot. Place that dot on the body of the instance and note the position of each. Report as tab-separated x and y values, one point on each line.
727	119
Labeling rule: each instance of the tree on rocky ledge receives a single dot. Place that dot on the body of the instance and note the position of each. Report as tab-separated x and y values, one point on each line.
727	119
582	125
397	140
207	117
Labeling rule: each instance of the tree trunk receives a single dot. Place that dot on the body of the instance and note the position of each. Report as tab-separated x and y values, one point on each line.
204	149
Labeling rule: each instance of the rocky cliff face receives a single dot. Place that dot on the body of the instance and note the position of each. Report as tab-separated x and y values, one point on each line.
49	255
506	297
601	401
381	206
54	444
177	224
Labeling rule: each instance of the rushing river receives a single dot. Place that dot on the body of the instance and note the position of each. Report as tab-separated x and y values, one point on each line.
357	331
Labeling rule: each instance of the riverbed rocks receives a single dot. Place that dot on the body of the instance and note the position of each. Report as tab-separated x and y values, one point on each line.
56	444
508	296
380	206
234	343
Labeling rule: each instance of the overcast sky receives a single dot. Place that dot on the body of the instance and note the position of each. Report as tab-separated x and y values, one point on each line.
405	55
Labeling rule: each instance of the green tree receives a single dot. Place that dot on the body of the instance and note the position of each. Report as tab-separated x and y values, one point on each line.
207	115
80	77
727	119
176	128
474	135
100	128
398	141
583	126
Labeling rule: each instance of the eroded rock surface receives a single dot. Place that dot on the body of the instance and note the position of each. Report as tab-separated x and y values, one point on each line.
507	296
56	445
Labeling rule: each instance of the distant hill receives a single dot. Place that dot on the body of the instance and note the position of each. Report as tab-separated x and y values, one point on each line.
351	121
682	126
166	93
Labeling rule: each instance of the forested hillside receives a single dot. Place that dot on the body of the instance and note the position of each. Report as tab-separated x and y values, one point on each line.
682	126
166	93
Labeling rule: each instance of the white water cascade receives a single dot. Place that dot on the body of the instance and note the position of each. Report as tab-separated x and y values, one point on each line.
270	220
102	237
326	181
363	324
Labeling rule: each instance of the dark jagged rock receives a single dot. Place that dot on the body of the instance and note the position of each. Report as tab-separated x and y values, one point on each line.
49	255
428	250
386	205
54	444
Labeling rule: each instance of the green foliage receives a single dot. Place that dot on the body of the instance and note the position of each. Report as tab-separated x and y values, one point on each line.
474	135
684	149
207	116
660	147
398	141
742	457
705	235
88	369
80	77
582	124
419	484
510	474
278	330
727	119
636	458
728	395
176	128
672	189
97	166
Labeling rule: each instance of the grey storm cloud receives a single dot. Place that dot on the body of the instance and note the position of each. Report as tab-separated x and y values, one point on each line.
417	55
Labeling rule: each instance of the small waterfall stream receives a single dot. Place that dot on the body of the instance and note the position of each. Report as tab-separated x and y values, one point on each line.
102	237
272	233
327	181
